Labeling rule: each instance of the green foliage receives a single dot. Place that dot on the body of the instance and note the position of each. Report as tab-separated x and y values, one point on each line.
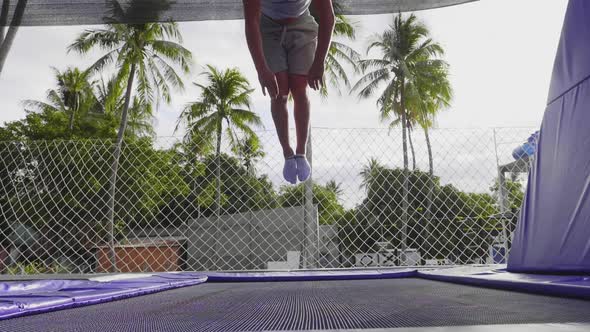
73	96
339	54
241	191
148	180
49	124
249	150
225	99
70	209
36	268
110	100
152	49
514	193
78	109
325	197
356	236
458	218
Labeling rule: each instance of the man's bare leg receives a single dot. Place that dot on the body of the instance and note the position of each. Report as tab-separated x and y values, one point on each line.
298	88
280	114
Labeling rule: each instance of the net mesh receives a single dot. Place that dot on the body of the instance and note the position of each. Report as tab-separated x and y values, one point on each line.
180	209
86	12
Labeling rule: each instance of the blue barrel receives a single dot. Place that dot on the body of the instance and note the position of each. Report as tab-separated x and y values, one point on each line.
528	148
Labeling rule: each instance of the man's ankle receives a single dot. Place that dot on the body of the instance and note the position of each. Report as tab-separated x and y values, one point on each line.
288	153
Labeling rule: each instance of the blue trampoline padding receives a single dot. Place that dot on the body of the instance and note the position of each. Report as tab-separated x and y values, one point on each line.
31	297
554	285
310	275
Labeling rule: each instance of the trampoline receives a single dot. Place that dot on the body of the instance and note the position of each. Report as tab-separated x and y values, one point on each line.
292	301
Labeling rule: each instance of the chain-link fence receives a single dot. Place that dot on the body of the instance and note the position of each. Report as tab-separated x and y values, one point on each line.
180	206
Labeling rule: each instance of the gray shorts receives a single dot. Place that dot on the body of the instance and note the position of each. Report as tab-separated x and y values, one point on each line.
289	47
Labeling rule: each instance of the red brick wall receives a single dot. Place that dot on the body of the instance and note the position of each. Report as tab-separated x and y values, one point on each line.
141	259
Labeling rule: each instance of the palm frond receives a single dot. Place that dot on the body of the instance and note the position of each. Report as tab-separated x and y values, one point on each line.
173	52
105	39
371	81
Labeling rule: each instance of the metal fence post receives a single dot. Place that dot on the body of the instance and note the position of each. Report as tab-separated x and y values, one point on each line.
310	258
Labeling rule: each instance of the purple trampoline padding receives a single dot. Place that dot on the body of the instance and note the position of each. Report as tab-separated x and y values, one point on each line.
26	287
26	298
553	233
8	308
571	63
555	285
310	275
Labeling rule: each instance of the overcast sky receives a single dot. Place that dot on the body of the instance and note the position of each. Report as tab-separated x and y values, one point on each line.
501	54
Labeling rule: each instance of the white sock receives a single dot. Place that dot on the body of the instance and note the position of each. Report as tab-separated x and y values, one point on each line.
303	168
290	170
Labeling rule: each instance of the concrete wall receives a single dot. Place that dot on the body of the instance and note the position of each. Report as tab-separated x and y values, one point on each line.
245	241
329	247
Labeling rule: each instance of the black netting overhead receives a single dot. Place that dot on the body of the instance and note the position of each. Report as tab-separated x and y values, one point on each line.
81	12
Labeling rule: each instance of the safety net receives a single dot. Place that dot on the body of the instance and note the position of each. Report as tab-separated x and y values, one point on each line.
82	12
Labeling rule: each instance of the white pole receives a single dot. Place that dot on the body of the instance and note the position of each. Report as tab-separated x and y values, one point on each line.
310	219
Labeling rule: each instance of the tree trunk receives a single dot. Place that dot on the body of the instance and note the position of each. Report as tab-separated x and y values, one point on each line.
405	189
193	201
115	168
11	34
3	19
430	158
71	121
73	113
412	148
218	173
430	196
217	257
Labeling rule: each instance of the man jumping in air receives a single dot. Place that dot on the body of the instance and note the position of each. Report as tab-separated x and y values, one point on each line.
289	50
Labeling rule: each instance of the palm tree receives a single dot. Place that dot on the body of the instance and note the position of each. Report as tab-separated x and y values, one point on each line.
249	150
73	95
225	98
148	51
7	37
370	172
140	116
335	187
431	94
406	48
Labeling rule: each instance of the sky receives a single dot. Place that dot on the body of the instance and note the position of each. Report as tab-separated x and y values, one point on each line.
501	55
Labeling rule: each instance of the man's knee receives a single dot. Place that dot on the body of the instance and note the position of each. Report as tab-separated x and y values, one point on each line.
283	94
298	87
280	100
299	94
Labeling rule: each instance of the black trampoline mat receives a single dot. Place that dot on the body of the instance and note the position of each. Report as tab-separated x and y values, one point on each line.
313	305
